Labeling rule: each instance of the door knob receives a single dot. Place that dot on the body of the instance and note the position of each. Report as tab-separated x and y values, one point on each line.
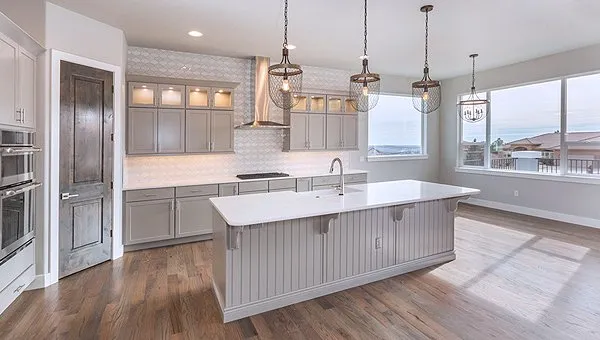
66	196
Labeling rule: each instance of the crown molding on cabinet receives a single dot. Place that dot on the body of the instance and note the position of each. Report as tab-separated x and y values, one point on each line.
181	81
22	38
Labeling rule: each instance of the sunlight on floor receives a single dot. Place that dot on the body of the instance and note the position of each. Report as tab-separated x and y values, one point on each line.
560	248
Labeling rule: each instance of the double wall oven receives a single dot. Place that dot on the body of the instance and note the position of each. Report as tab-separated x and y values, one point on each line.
17	188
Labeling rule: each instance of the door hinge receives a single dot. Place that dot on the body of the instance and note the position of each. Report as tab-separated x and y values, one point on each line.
112	137
111	233
112	88
111	185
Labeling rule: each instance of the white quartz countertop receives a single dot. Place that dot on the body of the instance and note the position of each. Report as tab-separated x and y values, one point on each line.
281	206
166	182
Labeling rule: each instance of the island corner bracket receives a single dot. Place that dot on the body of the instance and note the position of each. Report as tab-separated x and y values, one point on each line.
452	203
326	222
399	211
234	236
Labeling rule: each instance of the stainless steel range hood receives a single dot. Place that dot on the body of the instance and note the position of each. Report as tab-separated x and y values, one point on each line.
261	120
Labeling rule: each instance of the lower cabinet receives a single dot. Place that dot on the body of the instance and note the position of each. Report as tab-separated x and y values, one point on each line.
149	221
194	216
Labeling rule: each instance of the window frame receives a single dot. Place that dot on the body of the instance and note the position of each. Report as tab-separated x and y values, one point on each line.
562	175
383	158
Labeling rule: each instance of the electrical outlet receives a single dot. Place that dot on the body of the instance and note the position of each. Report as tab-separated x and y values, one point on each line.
378	243
516	193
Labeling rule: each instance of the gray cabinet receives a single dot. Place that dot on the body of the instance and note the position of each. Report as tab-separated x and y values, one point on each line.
307	132
342	132
228	189
222	131
303	184
8	69
197	131
350	132
194	216
27	84
143	94
149	221
142	136
17	86
171	96
171	131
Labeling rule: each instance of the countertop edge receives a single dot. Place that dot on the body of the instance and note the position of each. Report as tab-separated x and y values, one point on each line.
336	211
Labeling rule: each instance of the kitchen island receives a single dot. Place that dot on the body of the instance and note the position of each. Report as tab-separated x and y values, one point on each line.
273	250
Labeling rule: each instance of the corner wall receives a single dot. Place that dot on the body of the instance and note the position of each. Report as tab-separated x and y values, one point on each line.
544	196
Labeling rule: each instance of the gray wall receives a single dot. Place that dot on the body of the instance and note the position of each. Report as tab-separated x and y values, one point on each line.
577	199
30	15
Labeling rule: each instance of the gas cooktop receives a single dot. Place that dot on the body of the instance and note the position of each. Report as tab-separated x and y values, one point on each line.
262	175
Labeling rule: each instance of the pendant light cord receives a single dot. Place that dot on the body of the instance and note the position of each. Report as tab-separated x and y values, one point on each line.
426	39
365	49
285	16
473	77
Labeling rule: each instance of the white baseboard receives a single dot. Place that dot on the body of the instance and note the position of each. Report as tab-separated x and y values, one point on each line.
40	281
253	308
551	215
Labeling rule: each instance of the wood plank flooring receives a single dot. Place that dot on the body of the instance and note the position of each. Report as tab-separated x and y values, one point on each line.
515	277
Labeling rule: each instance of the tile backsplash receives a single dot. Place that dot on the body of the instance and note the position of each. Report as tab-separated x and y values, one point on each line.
255	151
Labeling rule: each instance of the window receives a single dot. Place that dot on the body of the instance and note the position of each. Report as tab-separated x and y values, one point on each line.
396	129
526	132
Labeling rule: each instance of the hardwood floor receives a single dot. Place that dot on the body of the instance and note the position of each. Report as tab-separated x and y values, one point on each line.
515	277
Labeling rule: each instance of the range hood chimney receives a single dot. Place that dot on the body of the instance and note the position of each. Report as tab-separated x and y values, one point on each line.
261	120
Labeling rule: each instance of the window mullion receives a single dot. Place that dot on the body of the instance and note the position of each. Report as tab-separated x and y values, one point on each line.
564	148
488	133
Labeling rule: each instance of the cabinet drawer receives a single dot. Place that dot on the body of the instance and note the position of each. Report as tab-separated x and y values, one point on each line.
283	189
254	186
197	190
288	183
355	178
16	287
323	187
149	194
16	265
228	189
326	180
303	184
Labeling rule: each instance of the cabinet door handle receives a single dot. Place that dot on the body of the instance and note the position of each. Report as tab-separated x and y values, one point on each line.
235	190
22	115
18	289
178	206
171	206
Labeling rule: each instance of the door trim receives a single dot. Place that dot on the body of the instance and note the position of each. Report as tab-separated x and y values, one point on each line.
48	248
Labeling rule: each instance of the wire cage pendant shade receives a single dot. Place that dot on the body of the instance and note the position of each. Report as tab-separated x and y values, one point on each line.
365	86
426	93
473	109
285	78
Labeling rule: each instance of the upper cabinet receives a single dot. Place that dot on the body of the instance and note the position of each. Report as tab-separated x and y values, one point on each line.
143	94
17	85
302	105
172	116
222	99
317	103
349	105
334	104
197	97
171	96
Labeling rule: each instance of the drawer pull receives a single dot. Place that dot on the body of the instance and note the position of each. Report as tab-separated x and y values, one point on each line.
150	195
195	191
18	289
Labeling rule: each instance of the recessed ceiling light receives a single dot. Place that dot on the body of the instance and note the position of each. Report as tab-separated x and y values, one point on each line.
195	34
220	91
291	47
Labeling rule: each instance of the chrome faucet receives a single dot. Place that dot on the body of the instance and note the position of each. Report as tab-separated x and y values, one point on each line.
341	186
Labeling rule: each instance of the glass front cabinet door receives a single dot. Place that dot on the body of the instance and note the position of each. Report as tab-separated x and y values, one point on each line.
142	94
222	99
171	96
302	105
334	104
197	97
349	105
317	103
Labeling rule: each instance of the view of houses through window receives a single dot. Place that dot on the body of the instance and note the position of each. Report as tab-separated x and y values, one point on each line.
395	128
525	129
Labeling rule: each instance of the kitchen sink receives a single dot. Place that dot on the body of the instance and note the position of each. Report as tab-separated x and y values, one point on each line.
334	192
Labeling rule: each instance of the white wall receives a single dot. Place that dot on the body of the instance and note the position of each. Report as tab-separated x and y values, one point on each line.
576	199
29	15
86	40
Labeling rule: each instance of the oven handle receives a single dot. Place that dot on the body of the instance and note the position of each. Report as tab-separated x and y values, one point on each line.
10	193
19	151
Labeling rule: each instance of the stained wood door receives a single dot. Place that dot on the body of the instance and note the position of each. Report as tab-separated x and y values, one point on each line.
86	154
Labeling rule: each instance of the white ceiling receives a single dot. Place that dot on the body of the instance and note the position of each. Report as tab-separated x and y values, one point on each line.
328	33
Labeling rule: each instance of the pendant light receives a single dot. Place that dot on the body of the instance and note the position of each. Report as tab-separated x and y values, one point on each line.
364	86
426	93
285	78
473	109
